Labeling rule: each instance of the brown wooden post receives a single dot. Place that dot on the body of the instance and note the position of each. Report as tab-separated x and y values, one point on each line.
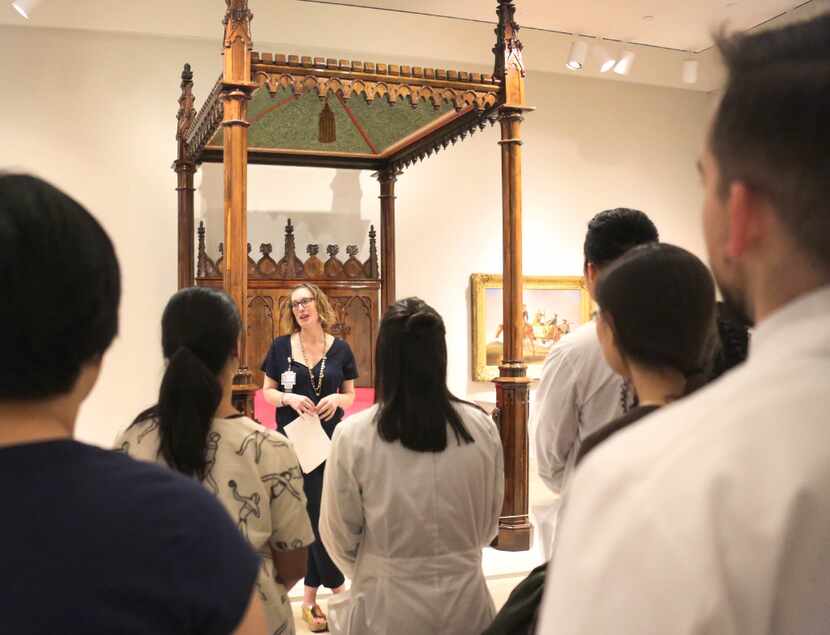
236	91
387	180
512	384
185	168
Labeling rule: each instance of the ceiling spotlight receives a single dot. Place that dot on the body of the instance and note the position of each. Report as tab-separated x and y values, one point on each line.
623	66
606	60
690	68
576	58
24	7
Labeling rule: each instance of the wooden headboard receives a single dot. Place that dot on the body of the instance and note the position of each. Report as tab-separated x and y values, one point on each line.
353	288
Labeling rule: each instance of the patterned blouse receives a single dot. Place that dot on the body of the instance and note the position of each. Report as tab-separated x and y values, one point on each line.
254	473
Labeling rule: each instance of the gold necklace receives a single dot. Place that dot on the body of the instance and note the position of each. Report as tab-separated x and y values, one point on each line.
319	385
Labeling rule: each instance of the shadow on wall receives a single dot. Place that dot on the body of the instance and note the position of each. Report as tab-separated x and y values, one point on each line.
341	224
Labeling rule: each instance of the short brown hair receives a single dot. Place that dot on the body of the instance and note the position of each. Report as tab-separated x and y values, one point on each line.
772	131
328	318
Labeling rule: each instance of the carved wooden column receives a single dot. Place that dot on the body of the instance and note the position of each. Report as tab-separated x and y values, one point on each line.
387	180
236	91
185	168
512	384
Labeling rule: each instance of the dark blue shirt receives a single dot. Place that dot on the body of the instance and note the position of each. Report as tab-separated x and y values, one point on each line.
340	367
94	542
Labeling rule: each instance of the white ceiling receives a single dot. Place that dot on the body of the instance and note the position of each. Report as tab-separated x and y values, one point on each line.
676	24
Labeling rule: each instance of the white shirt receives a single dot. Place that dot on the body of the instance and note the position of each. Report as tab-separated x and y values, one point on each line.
713	514
578	393
408	528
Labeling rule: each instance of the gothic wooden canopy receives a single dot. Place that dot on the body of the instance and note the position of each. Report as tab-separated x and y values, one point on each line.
322	112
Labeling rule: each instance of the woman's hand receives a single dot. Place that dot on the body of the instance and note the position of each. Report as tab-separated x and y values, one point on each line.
301	404
327	406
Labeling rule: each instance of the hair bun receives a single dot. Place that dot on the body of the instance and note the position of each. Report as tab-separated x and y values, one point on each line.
420	321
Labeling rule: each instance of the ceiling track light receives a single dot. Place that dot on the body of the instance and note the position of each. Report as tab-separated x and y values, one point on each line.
623	66
25	7
577	55
606	59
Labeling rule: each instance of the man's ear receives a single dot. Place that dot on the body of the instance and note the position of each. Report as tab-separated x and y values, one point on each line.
591	273
746	220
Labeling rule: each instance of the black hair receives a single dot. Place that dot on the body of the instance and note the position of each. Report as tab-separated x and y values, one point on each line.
771	129
733	345
199	332
415	404
61	288
661	302
613	232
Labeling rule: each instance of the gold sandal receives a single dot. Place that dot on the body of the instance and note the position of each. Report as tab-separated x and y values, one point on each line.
313	613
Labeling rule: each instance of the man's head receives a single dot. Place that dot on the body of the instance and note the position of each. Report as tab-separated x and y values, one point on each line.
61	287
612	233
766	167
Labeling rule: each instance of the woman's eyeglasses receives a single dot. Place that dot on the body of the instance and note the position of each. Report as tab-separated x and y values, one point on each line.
301	302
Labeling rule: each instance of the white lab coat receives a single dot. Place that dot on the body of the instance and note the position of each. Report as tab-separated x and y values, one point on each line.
408	528
578	394
711	516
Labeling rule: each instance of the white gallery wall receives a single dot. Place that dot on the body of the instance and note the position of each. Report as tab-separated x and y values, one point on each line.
94	112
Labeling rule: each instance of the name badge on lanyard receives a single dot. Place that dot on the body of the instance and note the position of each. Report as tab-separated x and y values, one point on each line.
289	378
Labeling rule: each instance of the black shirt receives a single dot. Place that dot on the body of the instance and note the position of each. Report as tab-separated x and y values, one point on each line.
340	367
94	542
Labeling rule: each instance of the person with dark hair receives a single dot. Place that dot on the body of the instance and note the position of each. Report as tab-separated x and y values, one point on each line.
196	430
656	328
311	373
733	342
413	492
94	542
578	392
713	514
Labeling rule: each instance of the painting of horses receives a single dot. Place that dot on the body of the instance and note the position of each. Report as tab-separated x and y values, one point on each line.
551	308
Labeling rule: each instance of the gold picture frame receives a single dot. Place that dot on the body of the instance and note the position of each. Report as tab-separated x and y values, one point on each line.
566	297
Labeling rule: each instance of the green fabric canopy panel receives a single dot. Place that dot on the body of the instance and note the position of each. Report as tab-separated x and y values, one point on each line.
288	122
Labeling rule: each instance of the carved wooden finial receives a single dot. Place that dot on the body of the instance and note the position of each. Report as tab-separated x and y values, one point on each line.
352	250
372	267
237	15
332	250
222	248
201	255
265	249
249	247
312	250
186	112
507	36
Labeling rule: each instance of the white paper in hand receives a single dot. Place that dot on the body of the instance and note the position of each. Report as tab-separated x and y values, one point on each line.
311	443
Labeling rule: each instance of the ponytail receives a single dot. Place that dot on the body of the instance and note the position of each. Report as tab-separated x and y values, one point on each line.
199	332
188	399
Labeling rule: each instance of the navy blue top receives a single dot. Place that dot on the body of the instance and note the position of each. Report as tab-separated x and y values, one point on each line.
94	542
340	367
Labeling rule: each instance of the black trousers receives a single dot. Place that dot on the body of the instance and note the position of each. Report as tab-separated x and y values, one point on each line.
321	570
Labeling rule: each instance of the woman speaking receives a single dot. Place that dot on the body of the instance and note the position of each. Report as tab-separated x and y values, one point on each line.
310	372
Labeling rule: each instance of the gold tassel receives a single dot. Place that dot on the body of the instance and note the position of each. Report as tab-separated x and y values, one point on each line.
327	130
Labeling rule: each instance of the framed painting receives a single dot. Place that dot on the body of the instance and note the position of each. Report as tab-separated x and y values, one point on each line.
553	306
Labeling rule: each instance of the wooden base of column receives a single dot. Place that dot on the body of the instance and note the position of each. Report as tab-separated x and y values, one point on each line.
512	392
514	537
